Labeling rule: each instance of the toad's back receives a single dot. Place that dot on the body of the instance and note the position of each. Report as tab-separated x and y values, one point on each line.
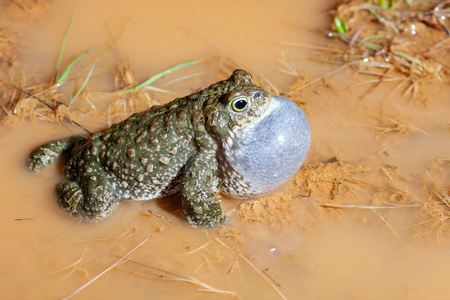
142	157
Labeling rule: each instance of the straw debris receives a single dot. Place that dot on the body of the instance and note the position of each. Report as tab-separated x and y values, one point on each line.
404	42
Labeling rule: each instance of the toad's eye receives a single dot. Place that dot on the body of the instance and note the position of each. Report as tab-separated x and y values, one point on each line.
239	105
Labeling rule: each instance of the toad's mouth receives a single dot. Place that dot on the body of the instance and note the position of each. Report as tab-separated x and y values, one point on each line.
269	151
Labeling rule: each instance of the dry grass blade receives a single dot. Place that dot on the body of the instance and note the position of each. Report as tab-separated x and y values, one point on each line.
28	94
408	126
266	278
387	35
199	248
444	198
306	46
323	76
96	239
9	274
205	287
268	85
64	232
107	269
385	147
74	267
368	45
387	224
289	68
365	206
182	78
167	275
127	234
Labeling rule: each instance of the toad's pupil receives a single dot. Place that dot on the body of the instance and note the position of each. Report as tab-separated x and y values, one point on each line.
240	104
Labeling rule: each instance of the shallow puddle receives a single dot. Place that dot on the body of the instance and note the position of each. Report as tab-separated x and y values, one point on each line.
382	150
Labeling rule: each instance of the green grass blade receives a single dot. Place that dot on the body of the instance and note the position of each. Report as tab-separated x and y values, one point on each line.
70	65
159	75
63	43
83	85
407	57
340	25
369	45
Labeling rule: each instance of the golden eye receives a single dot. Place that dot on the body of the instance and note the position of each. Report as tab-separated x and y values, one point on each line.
239	104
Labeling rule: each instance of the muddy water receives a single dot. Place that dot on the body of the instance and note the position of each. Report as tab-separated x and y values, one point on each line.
290	247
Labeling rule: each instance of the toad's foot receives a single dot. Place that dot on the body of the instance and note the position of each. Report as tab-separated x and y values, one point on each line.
203	211
47	154
93	207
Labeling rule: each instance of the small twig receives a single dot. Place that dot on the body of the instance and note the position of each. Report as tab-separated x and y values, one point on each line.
270	277
81	126
304	196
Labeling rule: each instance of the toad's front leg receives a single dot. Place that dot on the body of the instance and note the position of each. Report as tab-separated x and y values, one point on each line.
201	205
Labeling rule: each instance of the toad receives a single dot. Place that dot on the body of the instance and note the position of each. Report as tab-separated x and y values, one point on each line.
232	138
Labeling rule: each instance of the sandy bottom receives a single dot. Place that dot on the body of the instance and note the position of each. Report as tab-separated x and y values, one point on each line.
365	218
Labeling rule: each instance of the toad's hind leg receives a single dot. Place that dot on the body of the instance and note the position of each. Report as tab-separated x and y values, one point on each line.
95	204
